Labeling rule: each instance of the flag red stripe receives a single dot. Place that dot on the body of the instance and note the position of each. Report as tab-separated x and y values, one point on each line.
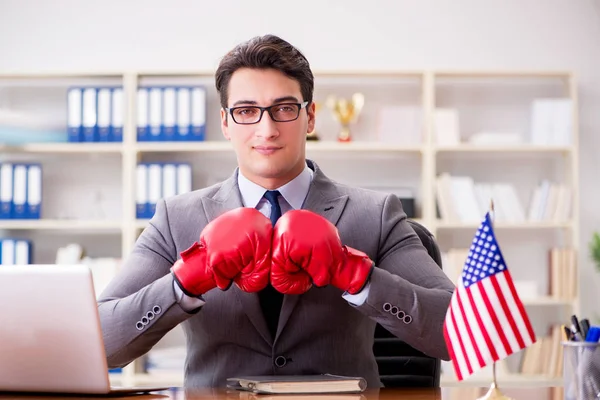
450	345
513	292
468	326
482	329
507	312
461	344
494	317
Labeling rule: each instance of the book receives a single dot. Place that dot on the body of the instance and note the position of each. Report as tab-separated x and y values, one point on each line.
298	384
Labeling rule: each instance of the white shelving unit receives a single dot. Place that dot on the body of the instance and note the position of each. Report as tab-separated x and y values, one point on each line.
364	161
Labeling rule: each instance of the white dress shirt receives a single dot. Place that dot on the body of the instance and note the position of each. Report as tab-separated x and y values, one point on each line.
292	197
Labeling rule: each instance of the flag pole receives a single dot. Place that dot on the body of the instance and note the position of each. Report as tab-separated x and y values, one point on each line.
493	393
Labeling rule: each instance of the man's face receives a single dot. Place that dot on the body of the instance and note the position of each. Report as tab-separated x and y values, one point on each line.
269	153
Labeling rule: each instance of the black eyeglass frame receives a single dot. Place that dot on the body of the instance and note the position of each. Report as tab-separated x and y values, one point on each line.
300	106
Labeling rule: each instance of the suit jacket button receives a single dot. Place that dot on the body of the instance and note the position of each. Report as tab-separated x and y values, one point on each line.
280	361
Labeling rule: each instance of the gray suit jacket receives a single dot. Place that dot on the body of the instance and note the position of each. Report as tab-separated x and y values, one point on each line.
318	332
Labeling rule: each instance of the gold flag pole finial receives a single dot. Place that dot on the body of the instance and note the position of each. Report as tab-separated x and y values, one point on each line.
493	393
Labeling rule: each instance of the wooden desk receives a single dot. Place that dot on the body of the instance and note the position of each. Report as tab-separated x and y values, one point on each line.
382	394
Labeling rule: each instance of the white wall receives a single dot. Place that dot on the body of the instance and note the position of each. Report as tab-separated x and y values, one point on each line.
73	35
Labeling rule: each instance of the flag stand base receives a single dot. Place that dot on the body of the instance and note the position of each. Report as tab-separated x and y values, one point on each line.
494	394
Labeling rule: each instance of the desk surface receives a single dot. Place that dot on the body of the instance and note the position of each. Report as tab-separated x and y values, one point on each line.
382	394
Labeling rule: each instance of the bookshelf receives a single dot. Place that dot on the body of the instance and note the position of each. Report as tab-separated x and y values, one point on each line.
372	159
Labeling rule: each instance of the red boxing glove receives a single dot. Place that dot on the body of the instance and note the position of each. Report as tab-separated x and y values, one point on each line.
235	247
307	249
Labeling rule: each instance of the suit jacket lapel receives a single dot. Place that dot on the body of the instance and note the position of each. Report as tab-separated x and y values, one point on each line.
323	199
227	198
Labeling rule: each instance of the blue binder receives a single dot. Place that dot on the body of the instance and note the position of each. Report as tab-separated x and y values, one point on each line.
155	116
34	191
19	191
142	114
198	113
116	115
90	114
74	114
104	108
169	117
141	202
183	127
6	190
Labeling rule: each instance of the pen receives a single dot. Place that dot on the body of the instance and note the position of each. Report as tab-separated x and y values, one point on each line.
566	333
576	328
585	327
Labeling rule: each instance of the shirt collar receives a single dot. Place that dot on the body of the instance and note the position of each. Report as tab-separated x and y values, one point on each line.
294	192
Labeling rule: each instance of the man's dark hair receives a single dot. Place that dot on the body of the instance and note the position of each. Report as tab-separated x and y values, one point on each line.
265	52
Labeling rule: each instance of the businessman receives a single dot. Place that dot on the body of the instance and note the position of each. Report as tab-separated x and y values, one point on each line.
277	270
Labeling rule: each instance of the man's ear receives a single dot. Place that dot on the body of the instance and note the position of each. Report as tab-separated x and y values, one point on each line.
224	124
311	116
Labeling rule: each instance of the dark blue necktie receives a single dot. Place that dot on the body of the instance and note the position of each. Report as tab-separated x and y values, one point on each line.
271	299
272	197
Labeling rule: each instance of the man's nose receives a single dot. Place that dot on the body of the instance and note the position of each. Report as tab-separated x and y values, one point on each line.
266	127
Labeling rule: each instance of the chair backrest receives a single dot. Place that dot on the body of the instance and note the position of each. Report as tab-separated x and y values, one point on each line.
400	365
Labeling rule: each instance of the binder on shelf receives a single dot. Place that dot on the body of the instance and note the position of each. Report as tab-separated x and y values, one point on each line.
22	250
74	114
142	115
169	113
184	116
154	187
15	252
156	114
198	114
7	252
90	115
6	190
184	178
19	191
34	191
169	177
156	181
116	132
104	111
141	194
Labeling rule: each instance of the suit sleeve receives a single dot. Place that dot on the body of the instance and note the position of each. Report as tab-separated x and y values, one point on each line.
409	293
139	306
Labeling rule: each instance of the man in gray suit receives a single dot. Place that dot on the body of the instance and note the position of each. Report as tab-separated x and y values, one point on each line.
300	294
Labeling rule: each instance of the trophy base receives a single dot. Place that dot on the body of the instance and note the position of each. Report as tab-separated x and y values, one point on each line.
344	135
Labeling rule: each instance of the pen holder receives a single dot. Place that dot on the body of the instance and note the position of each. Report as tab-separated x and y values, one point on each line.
581	370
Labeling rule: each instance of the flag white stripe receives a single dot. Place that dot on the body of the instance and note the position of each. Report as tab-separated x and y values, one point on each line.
475	329
514	310
502	319
458	354
464	334
487	322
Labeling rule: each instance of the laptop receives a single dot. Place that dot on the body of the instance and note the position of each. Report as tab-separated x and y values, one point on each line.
50	334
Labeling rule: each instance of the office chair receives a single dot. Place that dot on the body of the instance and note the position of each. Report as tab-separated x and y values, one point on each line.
400	365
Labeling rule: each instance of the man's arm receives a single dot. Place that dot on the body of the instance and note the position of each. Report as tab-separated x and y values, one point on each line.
139	306
409	293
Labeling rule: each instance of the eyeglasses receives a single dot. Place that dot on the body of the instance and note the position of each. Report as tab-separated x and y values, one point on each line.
283	112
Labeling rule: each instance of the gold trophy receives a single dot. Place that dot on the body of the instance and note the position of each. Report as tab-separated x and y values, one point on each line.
313	135
346	111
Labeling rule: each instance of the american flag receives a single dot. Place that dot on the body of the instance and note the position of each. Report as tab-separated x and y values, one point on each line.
486	320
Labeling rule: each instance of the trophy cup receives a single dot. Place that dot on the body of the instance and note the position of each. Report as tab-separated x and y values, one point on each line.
346	111
313	135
